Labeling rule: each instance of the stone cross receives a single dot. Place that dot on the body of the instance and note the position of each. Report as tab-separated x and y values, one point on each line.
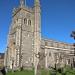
40	56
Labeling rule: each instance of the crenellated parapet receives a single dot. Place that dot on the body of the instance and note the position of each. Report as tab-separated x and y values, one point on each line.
16	10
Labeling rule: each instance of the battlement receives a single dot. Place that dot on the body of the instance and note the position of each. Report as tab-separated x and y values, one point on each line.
16	10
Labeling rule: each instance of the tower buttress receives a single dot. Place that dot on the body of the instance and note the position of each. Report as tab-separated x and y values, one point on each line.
37	32
37	14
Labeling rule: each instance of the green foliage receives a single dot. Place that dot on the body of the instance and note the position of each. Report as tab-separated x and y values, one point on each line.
58	73
68	71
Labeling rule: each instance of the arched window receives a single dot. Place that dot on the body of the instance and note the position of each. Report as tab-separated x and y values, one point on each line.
29	22
25	20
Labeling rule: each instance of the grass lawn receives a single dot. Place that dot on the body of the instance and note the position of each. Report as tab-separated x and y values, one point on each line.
26	72
67	71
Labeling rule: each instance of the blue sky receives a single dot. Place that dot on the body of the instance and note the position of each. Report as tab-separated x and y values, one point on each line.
58	19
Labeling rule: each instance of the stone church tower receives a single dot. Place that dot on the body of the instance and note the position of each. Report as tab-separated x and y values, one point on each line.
24	36
25	45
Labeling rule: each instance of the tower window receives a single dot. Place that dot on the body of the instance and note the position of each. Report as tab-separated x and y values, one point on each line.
29	22
25	21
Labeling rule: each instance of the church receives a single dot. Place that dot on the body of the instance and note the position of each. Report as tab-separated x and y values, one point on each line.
27	48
